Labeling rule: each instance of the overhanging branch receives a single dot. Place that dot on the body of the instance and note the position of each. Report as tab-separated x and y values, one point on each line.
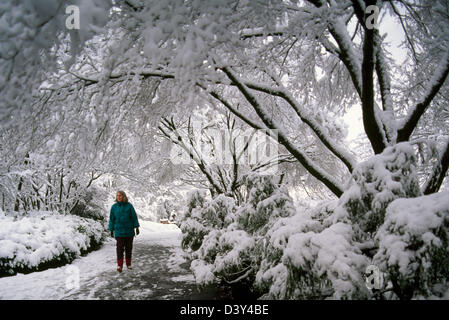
434	86
308	163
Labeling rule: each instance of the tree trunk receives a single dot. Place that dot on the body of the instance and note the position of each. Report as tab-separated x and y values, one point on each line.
439	172
61	186
19	188
370	121
48	194
61	189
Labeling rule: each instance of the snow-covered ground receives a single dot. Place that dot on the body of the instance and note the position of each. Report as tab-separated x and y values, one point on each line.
156	255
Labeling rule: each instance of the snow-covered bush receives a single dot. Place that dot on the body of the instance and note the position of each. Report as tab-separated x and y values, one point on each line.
318	252
90	204
414	245
304	259
225	255
45	239
203	216
283	252
376	183
266	202
233	250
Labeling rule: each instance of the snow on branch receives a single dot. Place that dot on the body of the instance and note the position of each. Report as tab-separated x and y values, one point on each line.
259	32
196	156
241	116
345	50
434	86
383	76
439	171
316	127
301	156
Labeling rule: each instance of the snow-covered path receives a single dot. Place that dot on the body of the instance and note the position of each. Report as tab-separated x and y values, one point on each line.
158	273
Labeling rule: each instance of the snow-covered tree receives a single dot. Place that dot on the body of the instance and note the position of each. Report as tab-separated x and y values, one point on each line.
221	166
315	59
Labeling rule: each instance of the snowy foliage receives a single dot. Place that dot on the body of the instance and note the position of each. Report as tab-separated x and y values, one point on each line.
44	239
281	252
316	253
231	251
30	34
376	183
266	202
225	255
319	253
90	204
414	245
203	216
305	260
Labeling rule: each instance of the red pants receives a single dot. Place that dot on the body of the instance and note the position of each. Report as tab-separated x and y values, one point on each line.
124	244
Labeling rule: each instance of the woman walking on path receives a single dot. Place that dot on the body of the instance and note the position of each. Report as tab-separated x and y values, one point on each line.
122	221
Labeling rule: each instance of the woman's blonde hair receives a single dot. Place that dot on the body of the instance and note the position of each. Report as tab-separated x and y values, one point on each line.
125	198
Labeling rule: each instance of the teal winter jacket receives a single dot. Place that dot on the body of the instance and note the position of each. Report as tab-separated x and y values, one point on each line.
123	219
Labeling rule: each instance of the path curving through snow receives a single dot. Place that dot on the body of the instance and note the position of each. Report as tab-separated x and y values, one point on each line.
158	272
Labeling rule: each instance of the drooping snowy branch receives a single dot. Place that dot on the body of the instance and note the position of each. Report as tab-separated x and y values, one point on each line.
316	127
346	52
303	158
191	151
433	87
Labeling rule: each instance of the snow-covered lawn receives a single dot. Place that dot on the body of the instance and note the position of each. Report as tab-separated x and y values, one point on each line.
88	273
